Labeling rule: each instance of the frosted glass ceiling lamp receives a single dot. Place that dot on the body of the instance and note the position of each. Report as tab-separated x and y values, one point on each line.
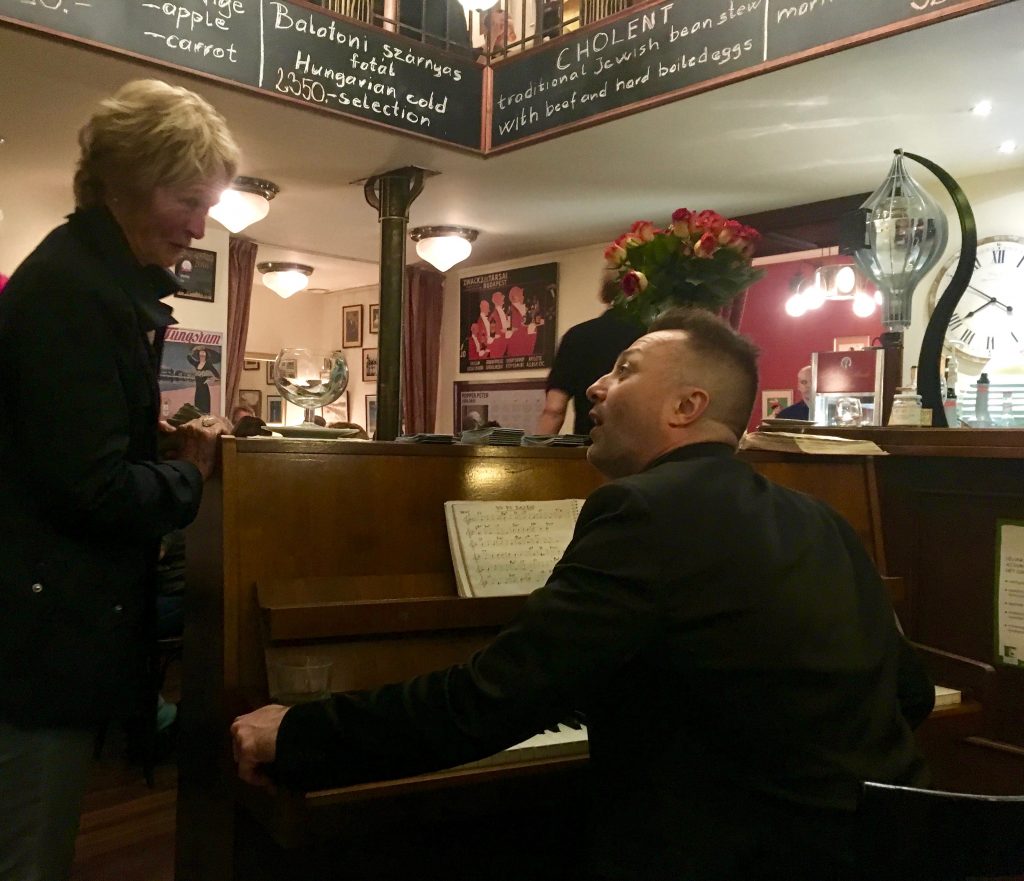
477	5
245	202
285	279
443	246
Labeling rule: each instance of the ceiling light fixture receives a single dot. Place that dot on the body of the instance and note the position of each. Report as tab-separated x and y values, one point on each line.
477	5
832	282
285	279
982	108
246	201
443	246
1008	147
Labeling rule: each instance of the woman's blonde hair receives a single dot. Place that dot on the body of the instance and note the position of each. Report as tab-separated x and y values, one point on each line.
151	134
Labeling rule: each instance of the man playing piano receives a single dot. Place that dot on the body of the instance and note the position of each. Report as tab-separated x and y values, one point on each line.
729	641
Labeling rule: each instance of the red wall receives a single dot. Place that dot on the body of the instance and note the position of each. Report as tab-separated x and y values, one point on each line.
786	343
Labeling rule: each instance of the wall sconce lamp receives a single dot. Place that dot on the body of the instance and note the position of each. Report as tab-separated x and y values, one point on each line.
443	246
285	279
831	283
246	201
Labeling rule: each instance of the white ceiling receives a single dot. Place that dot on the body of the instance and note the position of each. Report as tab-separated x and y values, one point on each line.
822	129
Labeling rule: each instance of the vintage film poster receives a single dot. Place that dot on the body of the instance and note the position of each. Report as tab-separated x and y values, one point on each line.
507	319
501	404
190	371
197	275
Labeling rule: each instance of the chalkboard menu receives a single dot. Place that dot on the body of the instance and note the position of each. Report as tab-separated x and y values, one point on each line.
663	49
286	49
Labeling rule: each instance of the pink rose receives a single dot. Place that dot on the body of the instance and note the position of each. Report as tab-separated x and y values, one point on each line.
614	255
643	230
681	220
706	245
710	221
731	232
633	282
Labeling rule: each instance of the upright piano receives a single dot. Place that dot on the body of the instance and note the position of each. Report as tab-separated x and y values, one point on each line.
340	549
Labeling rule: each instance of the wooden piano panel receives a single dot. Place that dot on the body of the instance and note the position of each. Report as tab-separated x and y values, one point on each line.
363	521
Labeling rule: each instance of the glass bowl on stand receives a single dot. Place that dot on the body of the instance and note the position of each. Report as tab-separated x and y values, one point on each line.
310	378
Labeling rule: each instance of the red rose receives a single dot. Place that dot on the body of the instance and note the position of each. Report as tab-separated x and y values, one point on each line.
731	232
614	255
643	230
706	246
633	282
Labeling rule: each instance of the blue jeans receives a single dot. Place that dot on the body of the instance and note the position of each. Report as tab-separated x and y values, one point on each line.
43	775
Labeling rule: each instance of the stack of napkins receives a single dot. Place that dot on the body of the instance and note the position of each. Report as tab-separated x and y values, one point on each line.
555	440
497	437
425	438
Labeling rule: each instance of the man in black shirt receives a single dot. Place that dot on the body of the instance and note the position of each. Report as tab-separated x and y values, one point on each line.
586	353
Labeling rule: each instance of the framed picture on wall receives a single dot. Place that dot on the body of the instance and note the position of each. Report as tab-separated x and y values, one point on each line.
509	404
374	317
371	415
275	409
774	400
352	326
336	412
196	272
250	364
254	398
507	319
369	365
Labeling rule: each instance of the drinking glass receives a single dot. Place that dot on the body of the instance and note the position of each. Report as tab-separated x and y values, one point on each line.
299	680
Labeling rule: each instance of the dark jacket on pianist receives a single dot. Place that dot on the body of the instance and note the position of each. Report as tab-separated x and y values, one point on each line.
83	501
735	654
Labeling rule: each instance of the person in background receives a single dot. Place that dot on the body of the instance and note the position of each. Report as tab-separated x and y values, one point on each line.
85	502
728	640
802	408
586	352
239	411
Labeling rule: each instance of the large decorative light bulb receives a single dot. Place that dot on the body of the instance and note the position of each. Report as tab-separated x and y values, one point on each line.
905	235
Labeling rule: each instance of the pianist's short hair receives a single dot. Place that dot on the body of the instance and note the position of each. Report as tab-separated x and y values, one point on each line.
152	134
719	346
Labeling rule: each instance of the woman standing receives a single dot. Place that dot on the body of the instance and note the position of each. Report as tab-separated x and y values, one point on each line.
86	501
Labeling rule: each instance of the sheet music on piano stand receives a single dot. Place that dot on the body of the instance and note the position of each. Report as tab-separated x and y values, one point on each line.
501	548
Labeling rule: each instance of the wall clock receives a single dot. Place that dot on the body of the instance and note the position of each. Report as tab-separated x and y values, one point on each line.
989	319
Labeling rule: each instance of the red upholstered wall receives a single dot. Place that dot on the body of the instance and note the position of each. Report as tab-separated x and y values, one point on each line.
786	343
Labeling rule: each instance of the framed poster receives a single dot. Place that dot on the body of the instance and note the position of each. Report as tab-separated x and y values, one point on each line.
374	317
254	398
197	275
336	412
507	319
371	415
352	326
369	365
509	404
275	409
250	364
774	400
190	370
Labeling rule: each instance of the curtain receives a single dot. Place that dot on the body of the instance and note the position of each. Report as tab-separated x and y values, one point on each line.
421	347
241	267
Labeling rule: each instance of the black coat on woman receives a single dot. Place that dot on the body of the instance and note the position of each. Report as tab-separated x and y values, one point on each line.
85	500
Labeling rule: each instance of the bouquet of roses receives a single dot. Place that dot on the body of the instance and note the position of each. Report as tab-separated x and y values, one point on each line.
701	259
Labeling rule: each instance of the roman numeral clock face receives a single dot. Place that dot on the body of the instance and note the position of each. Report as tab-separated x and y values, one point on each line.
989	319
